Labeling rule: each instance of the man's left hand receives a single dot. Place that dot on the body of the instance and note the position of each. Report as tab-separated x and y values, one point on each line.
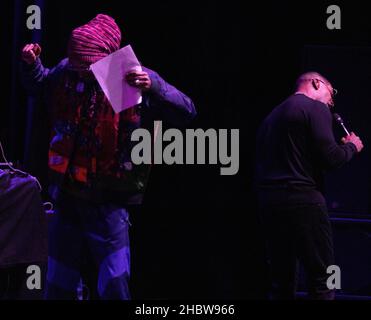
139	79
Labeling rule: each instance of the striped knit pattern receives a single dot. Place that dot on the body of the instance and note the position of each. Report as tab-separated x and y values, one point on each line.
93	41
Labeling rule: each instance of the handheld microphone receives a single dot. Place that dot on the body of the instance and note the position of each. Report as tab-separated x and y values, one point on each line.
340	121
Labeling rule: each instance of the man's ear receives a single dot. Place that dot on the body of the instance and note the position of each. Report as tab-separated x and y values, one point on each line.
315	84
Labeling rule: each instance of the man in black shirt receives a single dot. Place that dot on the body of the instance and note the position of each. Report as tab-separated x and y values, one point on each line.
295	146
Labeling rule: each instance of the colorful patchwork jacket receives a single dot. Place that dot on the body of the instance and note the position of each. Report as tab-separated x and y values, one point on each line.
90	148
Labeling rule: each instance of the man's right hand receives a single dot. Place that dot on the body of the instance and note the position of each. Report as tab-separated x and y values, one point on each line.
355	140
30	53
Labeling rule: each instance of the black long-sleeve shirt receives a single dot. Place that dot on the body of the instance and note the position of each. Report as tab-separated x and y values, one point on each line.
295	145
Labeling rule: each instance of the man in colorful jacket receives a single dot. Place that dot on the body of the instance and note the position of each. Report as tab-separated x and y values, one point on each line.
92	178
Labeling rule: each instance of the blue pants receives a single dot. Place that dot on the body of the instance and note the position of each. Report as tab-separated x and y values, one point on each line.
77	228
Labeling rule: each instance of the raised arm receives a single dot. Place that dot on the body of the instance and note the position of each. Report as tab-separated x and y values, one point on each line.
34	75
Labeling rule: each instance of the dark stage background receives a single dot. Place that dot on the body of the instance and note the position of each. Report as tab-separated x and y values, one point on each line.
198	235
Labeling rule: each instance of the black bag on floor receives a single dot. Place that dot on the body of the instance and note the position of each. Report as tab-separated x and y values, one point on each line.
23	225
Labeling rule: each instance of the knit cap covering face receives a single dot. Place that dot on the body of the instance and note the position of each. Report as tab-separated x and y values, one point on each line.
93	41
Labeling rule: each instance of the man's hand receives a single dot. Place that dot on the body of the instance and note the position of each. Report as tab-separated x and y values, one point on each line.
139	79
30	53
355	140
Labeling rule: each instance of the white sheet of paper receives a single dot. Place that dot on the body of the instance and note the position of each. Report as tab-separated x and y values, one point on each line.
110	73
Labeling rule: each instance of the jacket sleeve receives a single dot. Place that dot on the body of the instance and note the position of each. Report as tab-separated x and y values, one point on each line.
168	103
332	154
35	78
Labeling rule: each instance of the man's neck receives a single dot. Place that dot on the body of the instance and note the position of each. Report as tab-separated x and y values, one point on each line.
302	92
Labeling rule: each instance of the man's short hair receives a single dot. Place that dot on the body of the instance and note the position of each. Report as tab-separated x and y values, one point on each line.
310	76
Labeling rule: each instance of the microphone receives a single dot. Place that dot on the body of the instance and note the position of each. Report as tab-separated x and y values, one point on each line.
340	121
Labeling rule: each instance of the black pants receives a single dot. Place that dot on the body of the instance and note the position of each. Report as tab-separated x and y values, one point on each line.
299	233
